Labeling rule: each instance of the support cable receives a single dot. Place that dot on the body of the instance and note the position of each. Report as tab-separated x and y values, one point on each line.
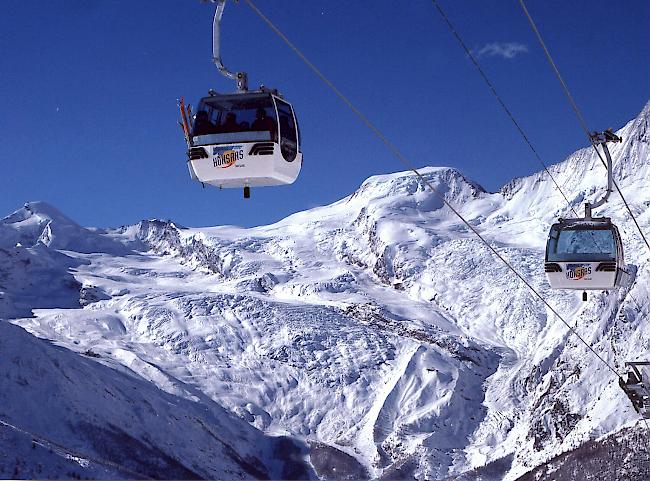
492	88
72	454
581	118
501	102
402	158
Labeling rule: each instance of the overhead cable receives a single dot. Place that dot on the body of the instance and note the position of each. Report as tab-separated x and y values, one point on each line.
402	158
579	115
501	102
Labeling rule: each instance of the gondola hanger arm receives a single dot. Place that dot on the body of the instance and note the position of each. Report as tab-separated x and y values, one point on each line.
601	138
240	77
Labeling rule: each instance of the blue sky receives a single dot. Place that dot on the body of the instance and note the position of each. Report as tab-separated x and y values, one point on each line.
90	86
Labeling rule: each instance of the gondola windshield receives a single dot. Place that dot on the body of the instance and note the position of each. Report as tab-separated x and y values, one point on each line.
236	118
581	244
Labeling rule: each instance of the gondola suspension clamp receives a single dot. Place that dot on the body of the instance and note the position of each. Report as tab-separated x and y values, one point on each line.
240	77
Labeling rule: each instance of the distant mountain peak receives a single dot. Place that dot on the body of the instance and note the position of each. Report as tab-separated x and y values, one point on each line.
38	222
37	209
428	173
406	189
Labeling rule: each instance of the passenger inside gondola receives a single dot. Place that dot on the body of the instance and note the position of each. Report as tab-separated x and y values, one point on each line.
230	124
263	122
244	118
202	124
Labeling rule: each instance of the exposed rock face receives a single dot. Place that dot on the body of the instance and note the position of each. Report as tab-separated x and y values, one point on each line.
623	456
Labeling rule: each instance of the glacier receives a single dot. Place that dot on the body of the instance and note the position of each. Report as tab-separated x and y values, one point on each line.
375	337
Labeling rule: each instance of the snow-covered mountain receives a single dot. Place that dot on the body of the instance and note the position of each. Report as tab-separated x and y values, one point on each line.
374	337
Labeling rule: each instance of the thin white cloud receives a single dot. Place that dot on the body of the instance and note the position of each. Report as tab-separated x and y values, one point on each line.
507	50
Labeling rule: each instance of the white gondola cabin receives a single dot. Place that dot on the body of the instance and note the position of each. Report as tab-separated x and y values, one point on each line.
242	139
584	254
587	253
248	139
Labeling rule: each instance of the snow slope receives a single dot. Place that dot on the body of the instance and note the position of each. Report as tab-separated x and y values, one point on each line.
377	333
67	414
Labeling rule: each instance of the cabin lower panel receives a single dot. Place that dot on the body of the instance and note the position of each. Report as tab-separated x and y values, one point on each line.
584	276
234	166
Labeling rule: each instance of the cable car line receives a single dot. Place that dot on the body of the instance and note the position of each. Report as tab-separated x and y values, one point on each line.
592	236
636	387
501	102
402	158
581	118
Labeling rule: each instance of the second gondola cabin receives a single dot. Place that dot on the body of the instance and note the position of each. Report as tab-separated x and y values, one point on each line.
245	139
585	254
637	386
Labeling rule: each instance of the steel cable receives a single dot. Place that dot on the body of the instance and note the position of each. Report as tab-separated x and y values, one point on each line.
71	453
412	168
579	115
501	102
